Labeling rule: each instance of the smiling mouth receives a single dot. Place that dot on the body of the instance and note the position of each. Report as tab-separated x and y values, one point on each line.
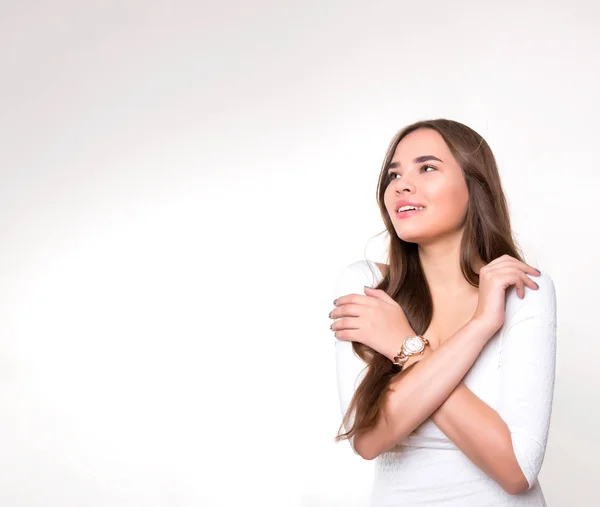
408	213
412	208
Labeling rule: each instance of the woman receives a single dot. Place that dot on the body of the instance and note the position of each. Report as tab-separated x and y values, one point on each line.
461	417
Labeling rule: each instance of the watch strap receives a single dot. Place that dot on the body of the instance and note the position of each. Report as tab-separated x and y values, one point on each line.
404	354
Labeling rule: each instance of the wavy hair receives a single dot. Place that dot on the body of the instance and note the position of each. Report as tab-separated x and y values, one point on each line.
487	235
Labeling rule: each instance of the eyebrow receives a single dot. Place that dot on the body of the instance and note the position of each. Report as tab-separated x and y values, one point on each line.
418	160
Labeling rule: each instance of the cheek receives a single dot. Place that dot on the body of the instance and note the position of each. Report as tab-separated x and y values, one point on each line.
450	200
388	198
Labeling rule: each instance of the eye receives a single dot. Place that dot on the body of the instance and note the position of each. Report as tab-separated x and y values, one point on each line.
392	175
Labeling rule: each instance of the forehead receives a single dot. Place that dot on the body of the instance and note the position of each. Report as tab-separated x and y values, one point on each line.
421	142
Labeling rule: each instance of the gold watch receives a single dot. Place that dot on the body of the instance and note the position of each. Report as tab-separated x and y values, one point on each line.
411	346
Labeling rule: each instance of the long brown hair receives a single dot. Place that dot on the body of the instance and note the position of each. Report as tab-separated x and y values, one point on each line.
487	234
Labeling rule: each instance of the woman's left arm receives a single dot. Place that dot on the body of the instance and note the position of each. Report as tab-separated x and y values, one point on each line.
509	444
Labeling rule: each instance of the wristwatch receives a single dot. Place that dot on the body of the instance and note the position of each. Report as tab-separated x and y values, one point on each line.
411	346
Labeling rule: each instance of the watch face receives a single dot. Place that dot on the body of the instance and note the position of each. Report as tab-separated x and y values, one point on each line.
413	345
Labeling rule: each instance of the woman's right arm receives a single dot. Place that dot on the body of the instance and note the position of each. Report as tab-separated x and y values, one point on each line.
418	392
350	369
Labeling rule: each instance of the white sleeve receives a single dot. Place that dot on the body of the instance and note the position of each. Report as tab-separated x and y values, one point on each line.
527	371
350	369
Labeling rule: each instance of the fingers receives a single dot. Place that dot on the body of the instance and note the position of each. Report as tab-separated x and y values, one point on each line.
350	335
508	275
345	324
517	272
524	281
529	282
347	310
380	294
355	299
520	285
506	260
353	305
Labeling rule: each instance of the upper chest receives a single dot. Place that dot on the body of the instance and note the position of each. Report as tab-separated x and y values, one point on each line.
449	315
451	311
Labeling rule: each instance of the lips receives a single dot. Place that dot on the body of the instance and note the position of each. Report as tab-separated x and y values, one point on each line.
404	202
407	214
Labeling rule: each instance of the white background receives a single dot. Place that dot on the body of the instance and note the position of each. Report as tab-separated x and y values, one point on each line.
181	183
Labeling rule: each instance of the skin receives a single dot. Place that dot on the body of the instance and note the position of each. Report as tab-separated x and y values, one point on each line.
440	186
437	229
471	424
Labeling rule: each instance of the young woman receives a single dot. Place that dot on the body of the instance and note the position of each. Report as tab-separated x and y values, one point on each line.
446	355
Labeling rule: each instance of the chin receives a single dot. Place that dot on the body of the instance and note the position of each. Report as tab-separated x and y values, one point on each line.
408	238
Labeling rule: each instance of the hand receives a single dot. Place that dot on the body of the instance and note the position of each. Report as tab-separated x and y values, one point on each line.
375	320
494	279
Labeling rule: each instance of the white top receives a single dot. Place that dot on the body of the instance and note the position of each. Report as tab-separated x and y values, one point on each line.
514	374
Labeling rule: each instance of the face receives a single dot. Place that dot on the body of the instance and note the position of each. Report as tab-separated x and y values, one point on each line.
424	172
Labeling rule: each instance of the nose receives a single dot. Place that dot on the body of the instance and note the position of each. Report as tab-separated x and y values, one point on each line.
404	184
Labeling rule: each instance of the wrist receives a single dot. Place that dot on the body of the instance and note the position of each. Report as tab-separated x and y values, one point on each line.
394	348
483	328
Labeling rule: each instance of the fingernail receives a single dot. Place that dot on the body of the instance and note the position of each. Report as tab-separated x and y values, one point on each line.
334	301
367	287
329	314
539	272
537	286
331	327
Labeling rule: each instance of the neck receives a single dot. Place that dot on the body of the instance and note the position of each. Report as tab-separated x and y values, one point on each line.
441	266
